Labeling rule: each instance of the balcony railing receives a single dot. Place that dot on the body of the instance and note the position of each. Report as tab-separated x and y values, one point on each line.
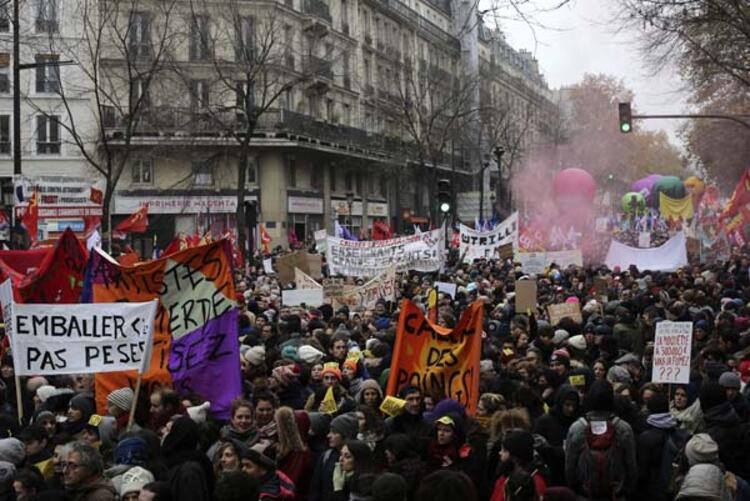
319	9
318	67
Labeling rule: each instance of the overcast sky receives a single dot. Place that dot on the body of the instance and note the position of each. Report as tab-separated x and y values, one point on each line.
581	39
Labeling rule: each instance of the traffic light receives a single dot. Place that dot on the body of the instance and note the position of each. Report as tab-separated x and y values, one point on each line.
626	118
444	195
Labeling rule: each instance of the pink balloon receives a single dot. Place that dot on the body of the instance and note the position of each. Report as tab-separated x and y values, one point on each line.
574	185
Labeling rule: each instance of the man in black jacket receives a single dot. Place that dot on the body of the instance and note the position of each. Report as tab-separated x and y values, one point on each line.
725	427
344	427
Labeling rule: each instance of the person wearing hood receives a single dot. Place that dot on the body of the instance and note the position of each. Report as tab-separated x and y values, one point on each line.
370	394
702	471
274	484
688	414
730	381
190	474
658	443
554	428
725	427
83	475
80	409
517	458
241	427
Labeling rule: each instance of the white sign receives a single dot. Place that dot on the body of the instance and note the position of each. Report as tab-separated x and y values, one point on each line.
537	262
667	257
268	266
308	297
79	338
483	244
672	352
320	240
304	205
423	252
447	288
162	204
367	295
59	196
304	281
644	240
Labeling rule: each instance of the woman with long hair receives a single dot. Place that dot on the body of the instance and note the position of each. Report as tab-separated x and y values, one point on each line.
292	455
355	461
241	427
226	458
372	432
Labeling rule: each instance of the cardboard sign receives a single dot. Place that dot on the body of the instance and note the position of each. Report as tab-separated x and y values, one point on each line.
286	264
525	296
672	352
438	360
333	287
559	311
446	288
367	295
305	281
538	262
307	297
314	265
505	252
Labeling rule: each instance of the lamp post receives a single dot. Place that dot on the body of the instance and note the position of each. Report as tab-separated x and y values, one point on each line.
350	203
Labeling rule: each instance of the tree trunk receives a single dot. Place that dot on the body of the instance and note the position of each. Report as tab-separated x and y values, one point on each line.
240	215
106	221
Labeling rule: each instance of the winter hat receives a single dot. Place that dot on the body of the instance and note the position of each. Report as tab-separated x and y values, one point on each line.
389	487
290	353
346	425
34	383
45	391
445	407
84	404
135	479
705	482
256	355
578	342
131	451
617	374
701	448
486	366
199	413
44	416
370	384
310	354
561	356
331	370
12	450
7	472
730	380
320	422
711	395
284	374
560	336
600	397
351	364
121	398
520	445
257	454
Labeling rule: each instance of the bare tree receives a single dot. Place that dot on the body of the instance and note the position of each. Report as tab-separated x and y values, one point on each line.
116	57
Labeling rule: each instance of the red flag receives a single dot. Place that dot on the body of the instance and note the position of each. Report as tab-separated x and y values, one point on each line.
137	222
265	237
740	197
90	223
97	196
381	231
31	216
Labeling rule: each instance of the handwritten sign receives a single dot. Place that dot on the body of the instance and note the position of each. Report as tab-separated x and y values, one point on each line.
672	352
537	262
446	288
436	359
367	295
559	311
195	329
307	297
287	263
525	296
484	244
304	281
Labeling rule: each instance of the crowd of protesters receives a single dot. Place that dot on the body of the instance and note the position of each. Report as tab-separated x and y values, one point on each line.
565	412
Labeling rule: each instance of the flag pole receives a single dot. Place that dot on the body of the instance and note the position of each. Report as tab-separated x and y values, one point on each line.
19	400
138	382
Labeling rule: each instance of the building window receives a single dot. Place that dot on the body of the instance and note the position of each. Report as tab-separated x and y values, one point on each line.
252	171
48	135
4	74
244	50
291	169
316	180
366	67
288	100
359	183
347	114
383	186
345	17
47	73
330	111
5	134
46	16
203	174
143	171
200	42
347	72
139	36
199	94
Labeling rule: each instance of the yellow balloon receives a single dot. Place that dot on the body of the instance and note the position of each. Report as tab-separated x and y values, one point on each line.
695	185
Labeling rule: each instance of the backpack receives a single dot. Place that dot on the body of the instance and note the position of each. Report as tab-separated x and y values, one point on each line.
673	456
601	467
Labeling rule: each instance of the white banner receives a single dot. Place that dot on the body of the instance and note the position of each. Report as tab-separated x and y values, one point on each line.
79	338
367	295
483	244
667	257
446	287
307	297
423	252
537	262
304	281
672	352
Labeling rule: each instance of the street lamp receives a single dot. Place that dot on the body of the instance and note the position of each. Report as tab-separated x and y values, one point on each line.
350	203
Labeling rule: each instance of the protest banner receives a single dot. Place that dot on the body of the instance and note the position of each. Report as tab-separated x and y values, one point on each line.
446	288
672	345
538	262
304	281
438	360
422	252
368	294
526	296
559	311
484	244
667	257
195	329
308	297
333	286
81	338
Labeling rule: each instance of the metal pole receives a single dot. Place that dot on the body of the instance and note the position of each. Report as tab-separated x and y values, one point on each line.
481	194
16	93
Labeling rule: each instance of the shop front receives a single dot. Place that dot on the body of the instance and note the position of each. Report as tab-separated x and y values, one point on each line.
304	217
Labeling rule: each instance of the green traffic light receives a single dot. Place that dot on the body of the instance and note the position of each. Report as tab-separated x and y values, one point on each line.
625	127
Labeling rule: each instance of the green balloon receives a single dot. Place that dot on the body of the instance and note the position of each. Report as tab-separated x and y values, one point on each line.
633	203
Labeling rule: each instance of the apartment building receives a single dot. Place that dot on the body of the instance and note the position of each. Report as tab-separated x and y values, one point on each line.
334	110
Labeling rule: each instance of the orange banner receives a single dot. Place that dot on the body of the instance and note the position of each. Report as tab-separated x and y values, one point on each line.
437	359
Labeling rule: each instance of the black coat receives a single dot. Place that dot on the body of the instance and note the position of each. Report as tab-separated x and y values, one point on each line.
650	453
321	487
732	437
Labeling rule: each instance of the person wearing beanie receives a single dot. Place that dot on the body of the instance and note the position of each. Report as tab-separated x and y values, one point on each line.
47	420
726	428
599	421
516	460
448	449
133	481
660	441
389	487
119	403
13	451
80	409
256	355
257	461
705	482
730	381
199	413
560	362
701	448
554	427
343	427
43	393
